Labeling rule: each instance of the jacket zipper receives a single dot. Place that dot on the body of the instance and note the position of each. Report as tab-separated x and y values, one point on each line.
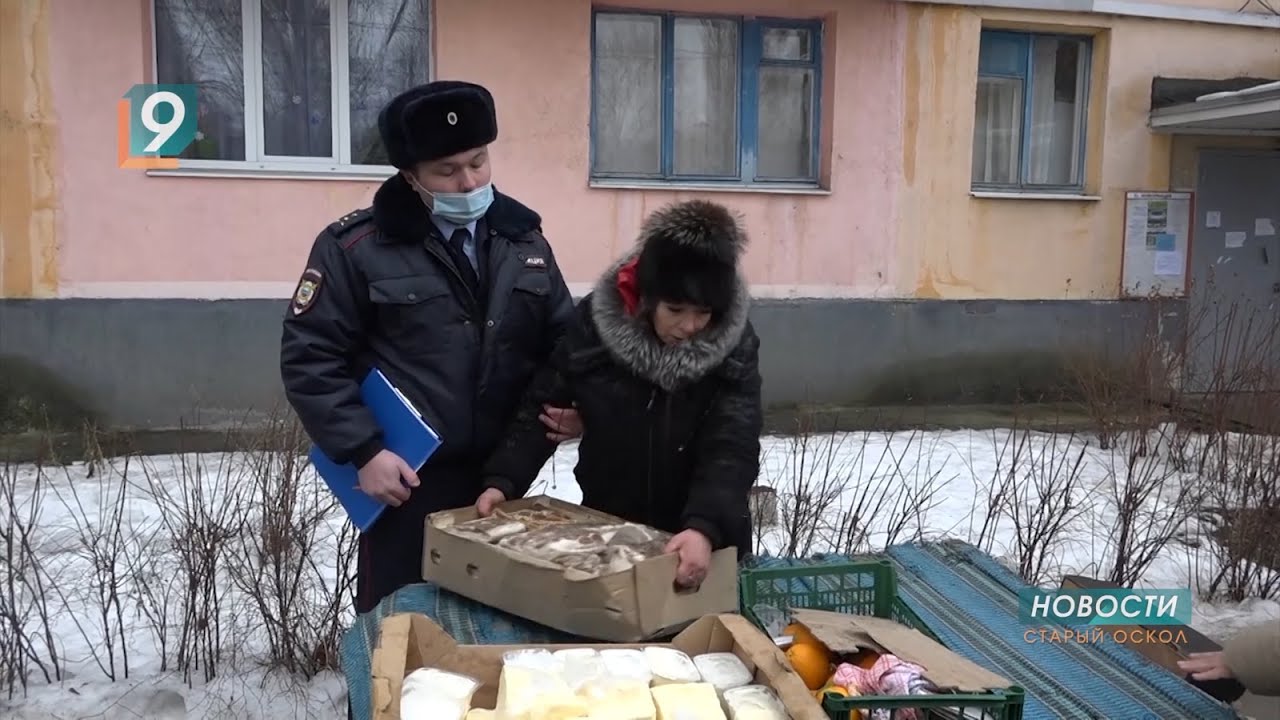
473	303
653	396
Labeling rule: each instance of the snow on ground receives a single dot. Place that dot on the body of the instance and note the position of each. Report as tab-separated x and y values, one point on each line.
904	485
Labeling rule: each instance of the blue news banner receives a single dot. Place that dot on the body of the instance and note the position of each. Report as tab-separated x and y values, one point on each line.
404	432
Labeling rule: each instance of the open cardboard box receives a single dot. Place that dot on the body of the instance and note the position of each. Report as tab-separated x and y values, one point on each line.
848	634
408	641
635	605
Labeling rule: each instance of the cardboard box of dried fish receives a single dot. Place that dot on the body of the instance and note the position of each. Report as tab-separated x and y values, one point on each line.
574	569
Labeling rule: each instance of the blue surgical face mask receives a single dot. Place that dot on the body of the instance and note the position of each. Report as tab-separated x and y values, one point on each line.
461	208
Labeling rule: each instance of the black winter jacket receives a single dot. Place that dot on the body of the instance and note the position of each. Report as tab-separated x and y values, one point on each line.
387	295
671	433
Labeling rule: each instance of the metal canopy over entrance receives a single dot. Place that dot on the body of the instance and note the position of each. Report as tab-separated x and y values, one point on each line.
1242	106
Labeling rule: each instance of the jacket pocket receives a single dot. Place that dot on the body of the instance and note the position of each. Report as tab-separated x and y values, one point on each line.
417	313
524	319
536	283
529	292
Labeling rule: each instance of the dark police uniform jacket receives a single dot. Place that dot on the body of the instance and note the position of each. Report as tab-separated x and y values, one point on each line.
380	290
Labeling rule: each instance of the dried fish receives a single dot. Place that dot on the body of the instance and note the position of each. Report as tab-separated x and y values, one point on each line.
585	545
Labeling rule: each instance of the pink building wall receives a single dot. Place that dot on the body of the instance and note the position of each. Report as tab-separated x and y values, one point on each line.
122	233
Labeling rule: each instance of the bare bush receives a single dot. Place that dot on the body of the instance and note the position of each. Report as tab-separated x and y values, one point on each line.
1153	503
993	493
219	555
847	493
100	541
1044	497
279	562
27	642
898	493
156	586
1233	398
1243	504
1217	378
1131	392
201	506
809	485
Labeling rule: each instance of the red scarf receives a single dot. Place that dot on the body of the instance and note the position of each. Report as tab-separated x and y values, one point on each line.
629	288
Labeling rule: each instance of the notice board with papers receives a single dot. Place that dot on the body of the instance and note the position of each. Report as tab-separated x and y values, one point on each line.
1157	244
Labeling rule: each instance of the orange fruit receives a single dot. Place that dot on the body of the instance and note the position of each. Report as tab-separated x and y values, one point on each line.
833	690
841	692
800	634
866	659
811	663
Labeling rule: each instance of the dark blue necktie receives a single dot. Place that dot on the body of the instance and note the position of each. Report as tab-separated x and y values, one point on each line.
457	243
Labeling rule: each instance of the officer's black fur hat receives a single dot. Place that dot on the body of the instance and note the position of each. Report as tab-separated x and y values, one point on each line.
437	120
689	254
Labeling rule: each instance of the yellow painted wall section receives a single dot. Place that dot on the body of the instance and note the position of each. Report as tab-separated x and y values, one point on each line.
28	142
953	245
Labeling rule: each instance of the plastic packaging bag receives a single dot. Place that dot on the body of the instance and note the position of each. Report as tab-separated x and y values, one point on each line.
430	694
774	620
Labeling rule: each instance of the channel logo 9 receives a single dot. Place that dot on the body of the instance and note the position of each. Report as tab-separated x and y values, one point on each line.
155	123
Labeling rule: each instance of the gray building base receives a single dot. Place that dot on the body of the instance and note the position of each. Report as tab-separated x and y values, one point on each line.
161	364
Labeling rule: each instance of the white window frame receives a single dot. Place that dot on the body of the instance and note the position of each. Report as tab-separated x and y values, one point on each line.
257	163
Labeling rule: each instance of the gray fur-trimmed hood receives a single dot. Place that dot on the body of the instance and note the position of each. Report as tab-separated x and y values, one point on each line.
631	340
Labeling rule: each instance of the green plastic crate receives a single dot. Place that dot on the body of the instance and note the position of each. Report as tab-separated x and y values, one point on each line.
999	705
904	615
866	588
856	588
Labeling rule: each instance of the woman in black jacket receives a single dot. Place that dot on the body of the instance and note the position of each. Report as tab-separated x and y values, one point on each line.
661	363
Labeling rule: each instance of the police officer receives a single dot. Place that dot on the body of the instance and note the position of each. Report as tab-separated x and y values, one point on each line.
450	289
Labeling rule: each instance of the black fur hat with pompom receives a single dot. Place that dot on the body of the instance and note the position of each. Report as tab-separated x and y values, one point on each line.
689	255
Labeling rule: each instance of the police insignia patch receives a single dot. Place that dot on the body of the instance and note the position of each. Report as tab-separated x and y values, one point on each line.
308	288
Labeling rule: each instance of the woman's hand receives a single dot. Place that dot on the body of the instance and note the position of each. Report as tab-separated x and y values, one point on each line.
694	550
488	500
562	423
1206	666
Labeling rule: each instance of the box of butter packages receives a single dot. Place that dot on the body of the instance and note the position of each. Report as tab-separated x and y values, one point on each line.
719	668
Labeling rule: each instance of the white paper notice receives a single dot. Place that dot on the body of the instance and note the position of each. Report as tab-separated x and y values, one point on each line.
1264	227
1135	225
1169	263
1236	239
1213	219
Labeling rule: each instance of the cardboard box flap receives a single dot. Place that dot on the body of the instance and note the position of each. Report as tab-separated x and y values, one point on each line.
662	607
406	641
851	633
766	661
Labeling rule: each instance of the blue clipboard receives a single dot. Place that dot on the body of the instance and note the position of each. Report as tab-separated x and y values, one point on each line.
404	432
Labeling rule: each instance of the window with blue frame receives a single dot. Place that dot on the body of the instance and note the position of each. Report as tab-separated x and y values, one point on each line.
1029	123
705	99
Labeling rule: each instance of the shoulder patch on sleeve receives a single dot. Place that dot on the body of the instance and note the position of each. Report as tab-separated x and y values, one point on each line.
307	290
350	221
